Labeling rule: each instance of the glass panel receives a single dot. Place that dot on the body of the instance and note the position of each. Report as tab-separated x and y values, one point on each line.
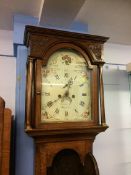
66	92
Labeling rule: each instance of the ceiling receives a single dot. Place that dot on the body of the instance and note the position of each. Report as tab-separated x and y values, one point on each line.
101	17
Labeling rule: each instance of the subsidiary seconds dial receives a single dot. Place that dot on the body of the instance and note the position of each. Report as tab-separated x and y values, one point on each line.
66	88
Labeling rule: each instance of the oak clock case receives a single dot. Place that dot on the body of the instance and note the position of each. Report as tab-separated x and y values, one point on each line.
64	97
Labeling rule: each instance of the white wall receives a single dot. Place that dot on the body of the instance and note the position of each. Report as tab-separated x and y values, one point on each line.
112	148
6	42
8	81
7	69
117	53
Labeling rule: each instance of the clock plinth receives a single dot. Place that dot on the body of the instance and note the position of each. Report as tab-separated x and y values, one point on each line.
64	97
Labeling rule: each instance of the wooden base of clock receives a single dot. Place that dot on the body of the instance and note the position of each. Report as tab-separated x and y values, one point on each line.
65	158
65	154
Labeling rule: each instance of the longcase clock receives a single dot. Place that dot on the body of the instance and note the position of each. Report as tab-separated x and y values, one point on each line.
64	99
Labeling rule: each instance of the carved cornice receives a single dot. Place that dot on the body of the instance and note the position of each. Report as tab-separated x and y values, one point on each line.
53	32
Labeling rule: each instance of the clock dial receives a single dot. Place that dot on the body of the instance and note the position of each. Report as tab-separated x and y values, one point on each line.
66	88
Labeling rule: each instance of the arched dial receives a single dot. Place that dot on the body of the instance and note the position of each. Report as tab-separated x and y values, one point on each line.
66	92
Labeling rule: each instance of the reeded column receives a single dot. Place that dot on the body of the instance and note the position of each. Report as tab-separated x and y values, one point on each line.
102	106
29	91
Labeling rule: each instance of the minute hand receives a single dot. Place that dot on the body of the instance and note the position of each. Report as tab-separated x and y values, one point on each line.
70	82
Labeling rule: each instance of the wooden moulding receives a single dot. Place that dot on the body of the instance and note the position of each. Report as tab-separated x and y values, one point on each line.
82	132
38	40
53	32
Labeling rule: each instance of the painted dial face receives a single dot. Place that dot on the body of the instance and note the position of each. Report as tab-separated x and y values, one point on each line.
65	88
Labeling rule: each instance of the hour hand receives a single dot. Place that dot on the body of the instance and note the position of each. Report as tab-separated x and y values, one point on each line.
50	103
